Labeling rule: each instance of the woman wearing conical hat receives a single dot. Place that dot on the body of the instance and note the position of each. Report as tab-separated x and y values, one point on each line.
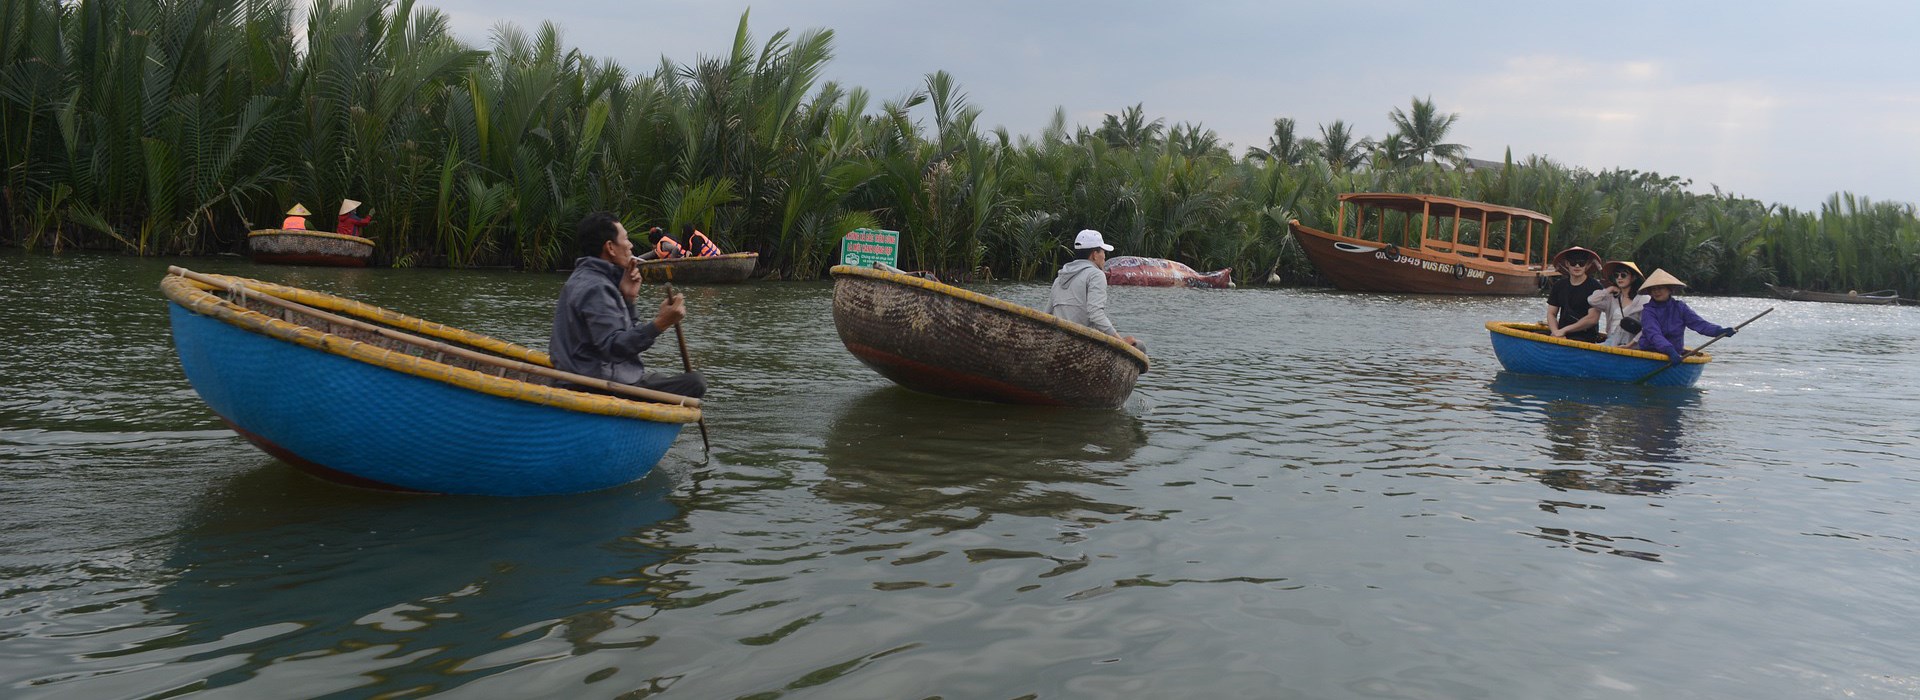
296	218
1569	315
350	224
1619	303
1664	320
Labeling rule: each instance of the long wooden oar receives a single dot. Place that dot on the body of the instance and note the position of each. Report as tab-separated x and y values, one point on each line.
437	346
1703	346
686	363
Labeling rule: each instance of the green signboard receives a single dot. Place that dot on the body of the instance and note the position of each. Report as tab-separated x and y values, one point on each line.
866	246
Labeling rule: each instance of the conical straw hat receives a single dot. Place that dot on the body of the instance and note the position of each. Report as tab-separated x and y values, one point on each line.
298	210
1559	259
347	205
1606	271
1660	278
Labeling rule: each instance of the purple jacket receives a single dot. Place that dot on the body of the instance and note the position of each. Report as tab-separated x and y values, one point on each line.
1664	324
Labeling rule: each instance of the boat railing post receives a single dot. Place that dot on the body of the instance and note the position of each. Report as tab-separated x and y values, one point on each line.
1456	234
1426	219
1483	229
1546	248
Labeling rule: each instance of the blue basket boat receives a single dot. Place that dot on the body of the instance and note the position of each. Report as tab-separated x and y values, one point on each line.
360	394
1526	348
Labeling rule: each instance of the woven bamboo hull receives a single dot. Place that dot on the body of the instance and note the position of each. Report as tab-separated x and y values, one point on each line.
356	407
947	341
1791	294
1525	348
713	269
315	248
1355	265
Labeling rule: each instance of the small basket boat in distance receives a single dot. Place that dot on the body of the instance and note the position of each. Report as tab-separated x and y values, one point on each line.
281	246
360	394
709	269
940	339
1486	249
1884	296
1527	348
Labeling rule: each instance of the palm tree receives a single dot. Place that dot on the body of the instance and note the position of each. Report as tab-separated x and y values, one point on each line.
1195	141
1283	147
1392	152
1340	149
1130	129
1424	130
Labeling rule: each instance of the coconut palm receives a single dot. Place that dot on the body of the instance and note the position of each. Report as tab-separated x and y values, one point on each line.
1283	146
1338	147
1130	129
1423	132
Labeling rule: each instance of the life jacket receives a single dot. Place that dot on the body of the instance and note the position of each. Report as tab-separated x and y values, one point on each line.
294	223
702	246
660	248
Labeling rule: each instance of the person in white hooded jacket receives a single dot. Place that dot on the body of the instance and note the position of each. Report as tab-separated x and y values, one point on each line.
1080	289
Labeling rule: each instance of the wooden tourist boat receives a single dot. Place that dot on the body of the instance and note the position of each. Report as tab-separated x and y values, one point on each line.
1884	296
1526	348
1161	272
1474	254
944	340
709	269
301	247
364	395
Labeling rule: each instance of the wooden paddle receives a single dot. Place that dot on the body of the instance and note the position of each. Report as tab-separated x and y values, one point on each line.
1703	346
686	361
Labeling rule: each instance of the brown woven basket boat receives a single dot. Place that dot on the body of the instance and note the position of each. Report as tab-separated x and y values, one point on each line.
300	247
944	340
711	269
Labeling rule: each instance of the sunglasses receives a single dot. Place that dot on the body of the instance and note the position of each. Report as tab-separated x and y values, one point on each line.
1623	275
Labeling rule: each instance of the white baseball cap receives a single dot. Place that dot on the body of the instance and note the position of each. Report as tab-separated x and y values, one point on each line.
1090	238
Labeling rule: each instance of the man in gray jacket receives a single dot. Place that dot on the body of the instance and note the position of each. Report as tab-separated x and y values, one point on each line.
1080	290
596	331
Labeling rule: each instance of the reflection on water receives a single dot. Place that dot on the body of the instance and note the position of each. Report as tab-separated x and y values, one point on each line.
1603	423
1603	437
917	461
420	591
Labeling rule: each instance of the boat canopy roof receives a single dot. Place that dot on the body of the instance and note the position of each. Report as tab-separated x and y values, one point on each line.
1439	206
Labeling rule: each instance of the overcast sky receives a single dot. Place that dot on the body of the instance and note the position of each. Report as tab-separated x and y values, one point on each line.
1779	101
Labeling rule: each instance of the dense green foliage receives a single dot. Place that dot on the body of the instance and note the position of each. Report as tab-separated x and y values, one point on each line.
174	126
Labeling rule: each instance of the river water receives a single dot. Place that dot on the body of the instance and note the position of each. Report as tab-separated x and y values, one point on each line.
1311	495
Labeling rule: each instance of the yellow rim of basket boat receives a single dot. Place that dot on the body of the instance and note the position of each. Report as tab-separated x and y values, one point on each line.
997	303
198	297
1537	332
304	232
695	258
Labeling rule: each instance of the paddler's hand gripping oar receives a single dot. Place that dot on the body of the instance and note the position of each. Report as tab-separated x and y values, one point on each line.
1703	346
686	361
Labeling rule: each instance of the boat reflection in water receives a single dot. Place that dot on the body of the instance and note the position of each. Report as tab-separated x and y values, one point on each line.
1621	439
925	462
1629	433
276	565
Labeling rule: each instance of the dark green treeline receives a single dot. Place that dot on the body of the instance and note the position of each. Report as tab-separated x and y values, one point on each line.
174	126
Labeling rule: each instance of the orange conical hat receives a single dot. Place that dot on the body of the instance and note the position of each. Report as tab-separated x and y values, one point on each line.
298	210
1660	278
